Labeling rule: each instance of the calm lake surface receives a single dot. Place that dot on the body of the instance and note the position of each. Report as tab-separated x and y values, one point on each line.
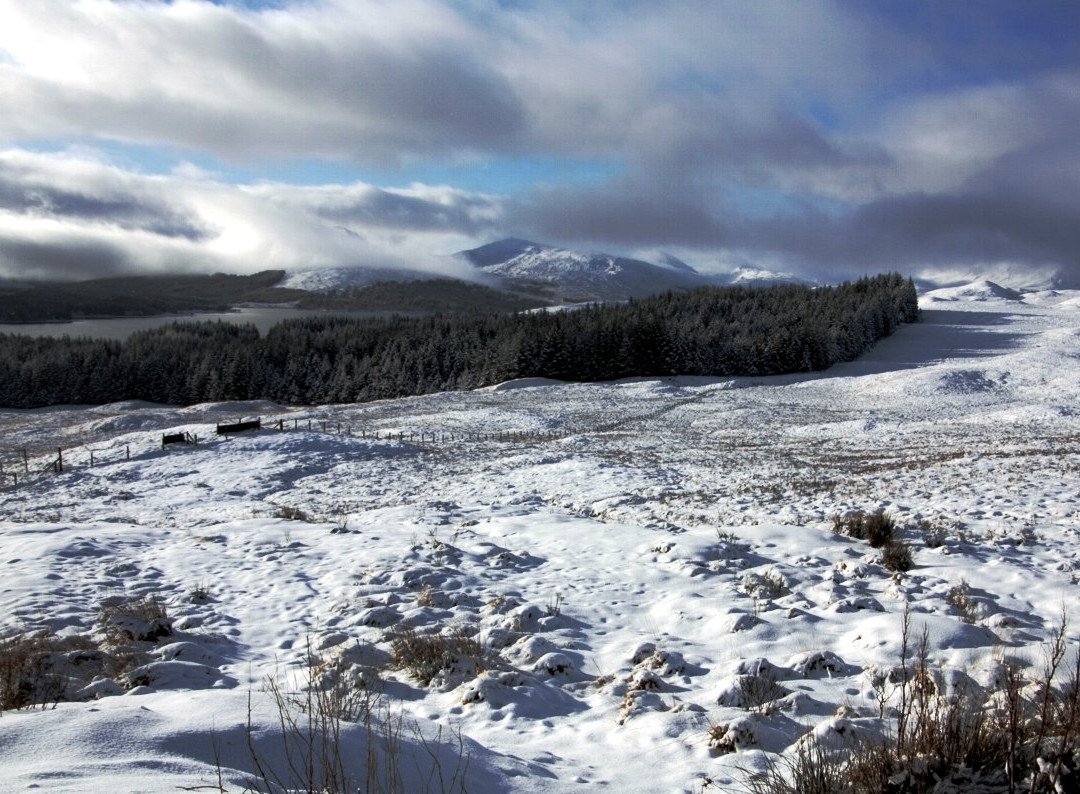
262	317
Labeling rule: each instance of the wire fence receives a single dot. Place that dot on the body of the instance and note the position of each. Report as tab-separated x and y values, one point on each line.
20	465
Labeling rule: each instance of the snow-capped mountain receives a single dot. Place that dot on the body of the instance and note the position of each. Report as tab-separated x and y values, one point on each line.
756	277
548	273
575	276
328	279
982	290
669	260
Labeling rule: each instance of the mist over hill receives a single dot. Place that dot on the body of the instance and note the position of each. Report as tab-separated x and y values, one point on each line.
574	277
506	275
138	296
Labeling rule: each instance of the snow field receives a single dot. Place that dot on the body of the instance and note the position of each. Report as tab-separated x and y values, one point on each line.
658	591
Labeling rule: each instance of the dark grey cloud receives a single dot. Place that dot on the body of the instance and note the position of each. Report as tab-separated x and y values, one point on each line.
54	209
53	259
820	135
1046	173
912	232
989	40
320	80
123	211
707	144
434	98
1020	208
1008	215
467	214
686	191
624	213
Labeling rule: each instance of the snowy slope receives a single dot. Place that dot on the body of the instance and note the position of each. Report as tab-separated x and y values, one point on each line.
757	277
565	275
581	276
624	557
981	290
328	279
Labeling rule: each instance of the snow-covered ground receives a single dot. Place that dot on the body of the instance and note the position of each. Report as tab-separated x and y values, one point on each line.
661	539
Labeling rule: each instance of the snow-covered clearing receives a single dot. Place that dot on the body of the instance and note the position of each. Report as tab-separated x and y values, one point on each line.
674	536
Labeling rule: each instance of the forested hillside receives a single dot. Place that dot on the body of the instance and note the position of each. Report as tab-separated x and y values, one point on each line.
139	296
426	296
708	331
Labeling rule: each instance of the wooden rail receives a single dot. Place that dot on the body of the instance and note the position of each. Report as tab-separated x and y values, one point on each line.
239	427
20	465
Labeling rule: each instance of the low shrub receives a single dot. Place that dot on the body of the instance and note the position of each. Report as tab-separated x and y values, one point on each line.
959	598
291	513
753	693
876	528
766	585
815	769
31	675
934	534
319	752
199	593
896	555
427	657
1017	734
134	619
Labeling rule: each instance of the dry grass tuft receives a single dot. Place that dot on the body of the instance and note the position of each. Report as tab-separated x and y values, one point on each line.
290	513
876	528
31	669
135	619
896	555
1019	734
427	657
320	748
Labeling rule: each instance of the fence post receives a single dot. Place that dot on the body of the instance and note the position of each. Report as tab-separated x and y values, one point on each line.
91	459
59	460
127	451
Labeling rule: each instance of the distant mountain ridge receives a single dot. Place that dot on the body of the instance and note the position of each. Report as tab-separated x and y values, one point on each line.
981	290
512	274
139	296
572	276
545	273
329	279
756	277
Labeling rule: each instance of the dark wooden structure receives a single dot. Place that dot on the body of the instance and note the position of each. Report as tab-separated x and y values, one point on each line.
178	438
239	427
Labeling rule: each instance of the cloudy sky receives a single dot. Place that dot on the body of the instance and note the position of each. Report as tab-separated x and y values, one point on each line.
827	139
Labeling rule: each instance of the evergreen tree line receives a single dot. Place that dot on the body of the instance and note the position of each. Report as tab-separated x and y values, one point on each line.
140	296
707	331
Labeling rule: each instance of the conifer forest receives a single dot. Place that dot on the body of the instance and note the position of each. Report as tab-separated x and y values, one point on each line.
711	331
